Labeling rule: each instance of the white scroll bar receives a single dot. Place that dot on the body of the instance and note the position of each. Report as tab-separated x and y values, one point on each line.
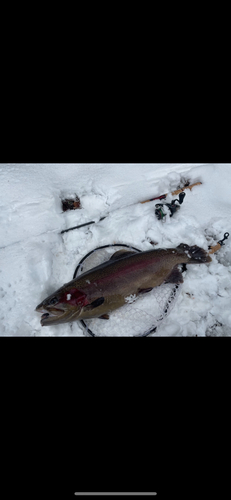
112	493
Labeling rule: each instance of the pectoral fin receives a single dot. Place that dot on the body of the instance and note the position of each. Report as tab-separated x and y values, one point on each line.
96	303
175	276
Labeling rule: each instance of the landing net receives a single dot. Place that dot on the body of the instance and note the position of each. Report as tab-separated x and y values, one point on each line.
140	316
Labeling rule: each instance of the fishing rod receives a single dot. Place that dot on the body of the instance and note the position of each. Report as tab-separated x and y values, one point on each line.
175	193
159	211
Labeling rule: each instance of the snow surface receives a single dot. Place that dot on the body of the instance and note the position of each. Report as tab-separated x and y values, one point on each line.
35	259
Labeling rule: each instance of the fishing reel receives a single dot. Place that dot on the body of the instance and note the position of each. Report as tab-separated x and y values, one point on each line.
162	209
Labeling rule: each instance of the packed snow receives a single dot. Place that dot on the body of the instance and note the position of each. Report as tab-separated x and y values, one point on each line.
36	259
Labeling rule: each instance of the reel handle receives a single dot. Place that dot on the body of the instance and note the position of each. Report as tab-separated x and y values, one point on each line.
181	197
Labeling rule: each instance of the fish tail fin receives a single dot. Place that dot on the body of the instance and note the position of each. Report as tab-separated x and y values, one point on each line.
195	254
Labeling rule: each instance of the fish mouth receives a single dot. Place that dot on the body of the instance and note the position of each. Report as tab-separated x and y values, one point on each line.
50	316
51	319
54	316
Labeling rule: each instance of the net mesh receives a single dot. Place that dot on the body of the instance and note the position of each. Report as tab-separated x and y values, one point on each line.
140	316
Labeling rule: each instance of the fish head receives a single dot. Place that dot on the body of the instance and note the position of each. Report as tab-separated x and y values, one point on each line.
63	306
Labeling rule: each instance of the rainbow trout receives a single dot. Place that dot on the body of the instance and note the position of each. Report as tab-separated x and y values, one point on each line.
98	292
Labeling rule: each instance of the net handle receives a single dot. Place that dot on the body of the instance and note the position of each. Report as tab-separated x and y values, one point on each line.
219	244
215	248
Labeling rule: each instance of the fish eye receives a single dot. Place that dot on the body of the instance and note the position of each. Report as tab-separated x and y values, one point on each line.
53	301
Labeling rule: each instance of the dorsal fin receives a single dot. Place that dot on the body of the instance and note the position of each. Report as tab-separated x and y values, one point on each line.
122	253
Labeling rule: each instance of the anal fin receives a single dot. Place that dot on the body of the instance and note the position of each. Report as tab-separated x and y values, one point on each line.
175	276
